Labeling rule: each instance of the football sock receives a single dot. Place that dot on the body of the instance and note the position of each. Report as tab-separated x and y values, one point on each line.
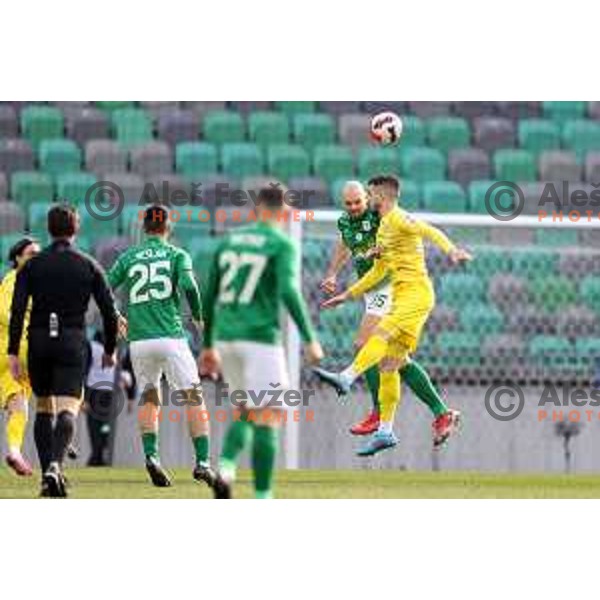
64	430
385	427
236	439
372	379
368	356
418	380
202	449
15	430
264	453
389	396
150	443
42	434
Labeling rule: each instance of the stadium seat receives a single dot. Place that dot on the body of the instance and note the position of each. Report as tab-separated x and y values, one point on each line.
448	133
59	156
519	110
413	132
470	236
196	158
74	186
429	110
376	160
490	260
491	133
248	107
266	128
15	155
105	156
296	107
314	190
525	262
537	135
223	127
132	126
589	292
151	157
3	187
563	111
555	237
287	161
423	164
587	350
551	293
581	137
575	321
333	162
337	107
559	166
481	319
515	165
592	167
98	230
477	191
353	129
165	187
178	126
444	197
410	195
466	165
506	290
443	318
37	219
376	106
158	107
86	124
314	130
12	219
242	160
203	107
459	350
576	265
130	184
458	289
473	109
551	352
112	105
41	123
31	186
9	122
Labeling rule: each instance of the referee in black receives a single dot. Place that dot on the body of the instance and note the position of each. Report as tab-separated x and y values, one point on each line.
60	281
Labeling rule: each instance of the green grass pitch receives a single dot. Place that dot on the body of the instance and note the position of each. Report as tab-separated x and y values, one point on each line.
132	483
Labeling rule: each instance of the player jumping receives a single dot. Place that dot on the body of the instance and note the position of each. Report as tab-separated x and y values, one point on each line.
14	395
253	274
155	273
399	255
358	230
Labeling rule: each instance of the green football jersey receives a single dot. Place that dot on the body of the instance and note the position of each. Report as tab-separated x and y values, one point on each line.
254	273
154	274
359	235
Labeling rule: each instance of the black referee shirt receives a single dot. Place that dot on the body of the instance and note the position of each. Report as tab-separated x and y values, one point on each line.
61	280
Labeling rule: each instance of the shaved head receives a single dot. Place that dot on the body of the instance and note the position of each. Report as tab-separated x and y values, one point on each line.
354	198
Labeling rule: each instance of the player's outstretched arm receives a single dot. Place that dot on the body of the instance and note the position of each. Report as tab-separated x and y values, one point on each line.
374	276
440	239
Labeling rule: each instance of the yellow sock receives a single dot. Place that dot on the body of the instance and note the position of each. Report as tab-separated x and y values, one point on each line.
369	355
389	395
15	430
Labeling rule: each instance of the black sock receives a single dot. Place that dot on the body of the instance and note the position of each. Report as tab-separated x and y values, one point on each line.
42	433
64	430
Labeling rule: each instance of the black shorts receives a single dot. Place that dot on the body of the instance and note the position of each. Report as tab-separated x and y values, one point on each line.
57	365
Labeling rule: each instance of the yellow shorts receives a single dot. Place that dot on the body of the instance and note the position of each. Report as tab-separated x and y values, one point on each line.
8	386
412	302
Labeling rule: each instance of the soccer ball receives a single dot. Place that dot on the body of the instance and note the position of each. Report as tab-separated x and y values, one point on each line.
386	128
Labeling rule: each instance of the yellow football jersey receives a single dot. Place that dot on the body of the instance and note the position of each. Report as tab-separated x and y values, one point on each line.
400	238
7	288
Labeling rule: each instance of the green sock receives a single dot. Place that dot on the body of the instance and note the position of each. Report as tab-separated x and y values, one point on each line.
418	381
150	444
202	449
372	377
264	453
237	437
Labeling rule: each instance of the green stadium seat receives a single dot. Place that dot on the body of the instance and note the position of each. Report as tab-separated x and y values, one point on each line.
40	123
333	162
533	262
73	187
37	220
112	105
582	137
550	351
267	128
223	127
470	236
31	186
459	350
589	291
556	237
132	126
477	192
488	261
551	293
59	156
196	158
423	164
314	130
203	258
242	160
413	132
287	161
481	319
375	161
515	165
538	135
587	351
458	289
563	111
296	107
444	197
129	219
97	230
410	195
448	133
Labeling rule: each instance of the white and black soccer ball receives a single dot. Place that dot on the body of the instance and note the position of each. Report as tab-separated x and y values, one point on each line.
386	128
